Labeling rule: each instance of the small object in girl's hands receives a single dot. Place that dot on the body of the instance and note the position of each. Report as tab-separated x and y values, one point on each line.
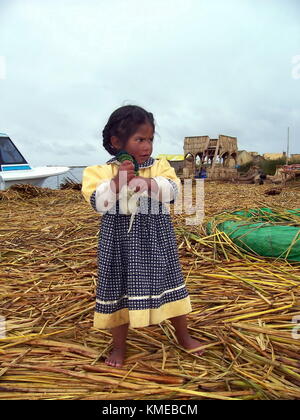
123	155
126	192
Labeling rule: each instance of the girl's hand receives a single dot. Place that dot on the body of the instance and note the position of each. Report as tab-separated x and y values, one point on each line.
139	184
123	177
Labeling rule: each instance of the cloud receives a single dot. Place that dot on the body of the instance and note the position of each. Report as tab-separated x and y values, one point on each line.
201	67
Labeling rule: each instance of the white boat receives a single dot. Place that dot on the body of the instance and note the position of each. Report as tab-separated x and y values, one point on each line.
14	168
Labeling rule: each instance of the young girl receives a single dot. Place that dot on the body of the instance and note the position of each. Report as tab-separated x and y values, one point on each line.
140	282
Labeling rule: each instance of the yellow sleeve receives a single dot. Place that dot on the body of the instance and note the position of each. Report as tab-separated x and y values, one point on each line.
94	176
166	170
168	182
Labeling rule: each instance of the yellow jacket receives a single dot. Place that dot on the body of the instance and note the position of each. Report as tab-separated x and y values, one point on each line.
93	176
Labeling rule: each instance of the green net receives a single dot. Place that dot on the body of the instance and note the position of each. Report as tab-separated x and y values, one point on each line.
263	231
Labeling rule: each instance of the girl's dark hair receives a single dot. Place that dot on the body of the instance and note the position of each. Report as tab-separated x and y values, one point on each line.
123	123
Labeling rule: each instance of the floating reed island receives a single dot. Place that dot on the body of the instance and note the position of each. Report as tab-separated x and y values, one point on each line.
245	308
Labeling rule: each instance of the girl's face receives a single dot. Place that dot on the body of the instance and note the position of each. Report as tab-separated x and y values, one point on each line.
140	144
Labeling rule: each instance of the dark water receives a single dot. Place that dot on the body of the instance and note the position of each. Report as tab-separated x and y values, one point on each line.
75	174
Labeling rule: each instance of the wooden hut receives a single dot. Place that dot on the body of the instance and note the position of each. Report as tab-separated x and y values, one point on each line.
219	156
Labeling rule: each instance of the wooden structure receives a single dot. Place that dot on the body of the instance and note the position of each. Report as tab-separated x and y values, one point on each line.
218	156
290	172
295	157
274	156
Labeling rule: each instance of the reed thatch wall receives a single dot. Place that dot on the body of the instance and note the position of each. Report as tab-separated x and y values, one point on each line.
224	147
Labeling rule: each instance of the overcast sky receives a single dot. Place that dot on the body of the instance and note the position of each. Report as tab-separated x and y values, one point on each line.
202	67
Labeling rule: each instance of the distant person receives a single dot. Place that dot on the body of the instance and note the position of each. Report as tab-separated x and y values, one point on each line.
203	173
140	282
262	177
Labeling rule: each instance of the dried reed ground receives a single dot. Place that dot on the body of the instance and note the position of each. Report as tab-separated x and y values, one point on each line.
242	307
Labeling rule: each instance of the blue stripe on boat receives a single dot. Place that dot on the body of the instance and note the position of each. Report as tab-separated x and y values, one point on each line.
15	168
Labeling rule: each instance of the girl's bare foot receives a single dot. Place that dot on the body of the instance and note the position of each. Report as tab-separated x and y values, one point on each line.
189	343
116	357
183	336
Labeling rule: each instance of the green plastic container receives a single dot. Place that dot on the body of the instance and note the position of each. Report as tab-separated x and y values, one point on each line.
254	233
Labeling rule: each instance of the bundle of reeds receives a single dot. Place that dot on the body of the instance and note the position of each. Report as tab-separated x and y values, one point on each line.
273	191
245	311
69	184
24	191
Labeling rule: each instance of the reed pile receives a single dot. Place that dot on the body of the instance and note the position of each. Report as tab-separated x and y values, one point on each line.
70	184
245	309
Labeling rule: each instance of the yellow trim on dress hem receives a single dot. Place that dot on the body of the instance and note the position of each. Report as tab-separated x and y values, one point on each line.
142	318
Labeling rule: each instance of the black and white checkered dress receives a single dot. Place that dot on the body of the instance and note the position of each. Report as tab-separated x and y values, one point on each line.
140	281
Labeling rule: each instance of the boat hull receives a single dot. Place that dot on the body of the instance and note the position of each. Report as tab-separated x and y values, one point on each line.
34	176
